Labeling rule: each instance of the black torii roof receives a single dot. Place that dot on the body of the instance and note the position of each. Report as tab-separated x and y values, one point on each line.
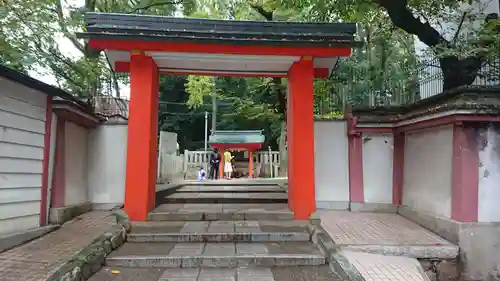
113	26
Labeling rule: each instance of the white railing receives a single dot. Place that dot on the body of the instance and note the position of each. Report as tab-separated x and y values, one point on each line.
266	163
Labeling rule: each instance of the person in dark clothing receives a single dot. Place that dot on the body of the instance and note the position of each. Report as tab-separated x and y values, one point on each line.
214	164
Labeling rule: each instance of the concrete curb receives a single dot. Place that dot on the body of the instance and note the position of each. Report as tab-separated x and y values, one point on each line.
339	264
91	258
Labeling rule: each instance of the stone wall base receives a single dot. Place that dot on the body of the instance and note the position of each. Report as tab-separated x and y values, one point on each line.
64	214
332	205
479	258
106	206
373	207
12	240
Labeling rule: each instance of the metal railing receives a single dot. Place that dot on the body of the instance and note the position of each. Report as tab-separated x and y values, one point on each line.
424	82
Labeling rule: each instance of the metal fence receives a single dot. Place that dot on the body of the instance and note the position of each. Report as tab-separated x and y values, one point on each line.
361	89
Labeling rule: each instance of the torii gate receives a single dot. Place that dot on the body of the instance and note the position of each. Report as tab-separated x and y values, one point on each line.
146	46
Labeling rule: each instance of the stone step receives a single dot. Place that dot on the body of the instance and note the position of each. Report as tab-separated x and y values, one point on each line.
293	273
219	216
222	255
239	182
220	231
227	197
219	261
233	189
220	212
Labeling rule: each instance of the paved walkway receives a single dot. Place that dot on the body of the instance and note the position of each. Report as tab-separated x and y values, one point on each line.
385	246
380	267
385	233
39	258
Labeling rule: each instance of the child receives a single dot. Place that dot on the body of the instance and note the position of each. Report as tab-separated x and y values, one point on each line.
201	174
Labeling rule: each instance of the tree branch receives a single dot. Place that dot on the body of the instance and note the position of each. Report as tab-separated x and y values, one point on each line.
455	37
402	17
268	15
64	28
151	5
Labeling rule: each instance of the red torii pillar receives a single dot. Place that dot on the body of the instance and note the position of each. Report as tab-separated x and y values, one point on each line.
140	185
250	163
300	132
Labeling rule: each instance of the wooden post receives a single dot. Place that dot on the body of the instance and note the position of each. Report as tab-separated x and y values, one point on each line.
250	163
221	164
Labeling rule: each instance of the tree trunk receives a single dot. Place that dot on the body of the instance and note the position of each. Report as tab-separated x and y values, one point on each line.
456	71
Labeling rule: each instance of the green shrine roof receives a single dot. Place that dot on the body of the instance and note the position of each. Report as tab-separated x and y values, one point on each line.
236	137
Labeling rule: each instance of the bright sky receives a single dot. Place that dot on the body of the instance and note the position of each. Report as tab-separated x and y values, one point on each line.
69	49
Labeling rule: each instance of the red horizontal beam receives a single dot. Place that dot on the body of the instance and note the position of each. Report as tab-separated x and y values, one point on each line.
123	66
138	45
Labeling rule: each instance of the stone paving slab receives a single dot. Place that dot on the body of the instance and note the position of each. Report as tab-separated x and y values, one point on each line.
229	195
220	212
217	197
373	267
188	255
220	237
385	233
143	249
37	259
215	249
295	273
304	273
234	261
230	226
127	274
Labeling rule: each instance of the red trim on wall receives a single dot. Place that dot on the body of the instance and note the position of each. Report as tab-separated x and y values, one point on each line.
59	175
465	174
139	45
46	162
398	168
430	123
446	120
248	146
124	66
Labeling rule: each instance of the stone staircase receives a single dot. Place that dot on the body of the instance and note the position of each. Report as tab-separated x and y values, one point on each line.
225	236
233	234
